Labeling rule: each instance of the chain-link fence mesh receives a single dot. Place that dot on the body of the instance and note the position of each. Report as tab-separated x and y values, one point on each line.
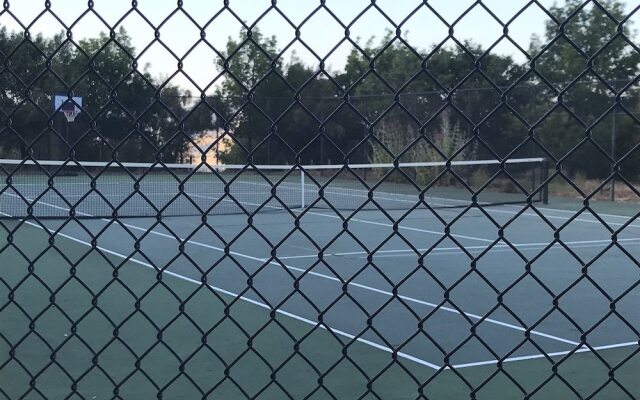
255	200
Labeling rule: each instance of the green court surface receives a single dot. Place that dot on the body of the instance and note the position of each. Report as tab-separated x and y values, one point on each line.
128	315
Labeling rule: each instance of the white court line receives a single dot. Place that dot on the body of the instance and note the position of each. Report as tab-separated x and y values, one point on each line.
471	316
408	299
298	247
363	221
288	186
428	199
573	212
581	349
409	198
354	284
524	246
324	326
462	201
247	299
458	250
486	206
344	192
408	228
590	221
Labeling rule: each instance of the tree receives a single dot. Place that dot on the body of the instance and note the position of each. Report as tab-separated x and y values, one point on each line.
391	87
589	62
23	104
253	77
126	113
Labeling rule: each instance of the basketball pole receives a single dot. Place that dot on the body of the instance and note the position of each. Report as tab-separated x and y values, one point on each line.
612	195
66	136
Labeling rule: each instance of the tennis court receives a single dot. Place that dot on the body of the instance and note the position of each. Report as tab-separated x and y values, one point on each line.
310	200
279	301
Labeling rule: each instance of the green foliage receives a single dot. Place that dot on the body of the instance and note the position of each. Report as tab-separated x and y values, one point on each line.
399	107
605	54
266	123
423	99
121	113
395	140
391	101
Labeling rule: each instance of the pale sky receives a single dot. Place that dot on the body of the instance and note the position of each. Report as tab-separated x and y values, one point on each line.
321	32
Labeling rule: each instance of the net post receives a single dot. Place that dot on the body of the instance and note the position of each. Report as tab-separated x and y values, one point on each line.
534	172
302	199
544	175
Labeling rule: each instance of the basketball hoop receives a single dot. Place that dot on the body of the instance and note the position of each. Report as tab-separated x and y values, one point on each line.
70	107
71	114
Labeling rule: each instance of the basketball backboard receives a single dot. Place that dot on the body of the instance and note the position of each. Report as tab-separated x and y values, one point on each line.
70	109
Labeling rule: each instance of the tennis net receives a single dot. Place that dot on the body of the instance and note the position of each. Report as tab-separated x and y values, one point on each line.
56	189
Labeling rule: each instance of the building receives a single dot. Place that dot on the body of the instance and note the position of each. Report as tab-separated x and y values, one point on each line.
205	144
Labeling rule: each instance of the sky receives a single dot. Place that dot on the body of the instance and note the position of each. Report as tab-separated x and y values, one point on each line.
321	31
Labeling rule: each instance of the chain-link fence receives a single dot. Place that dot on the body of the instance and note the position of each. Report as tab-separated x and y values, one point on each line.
319	199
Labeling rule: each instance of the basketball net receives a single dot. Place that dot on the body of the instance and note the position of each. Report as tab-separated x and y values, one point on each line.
71	114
